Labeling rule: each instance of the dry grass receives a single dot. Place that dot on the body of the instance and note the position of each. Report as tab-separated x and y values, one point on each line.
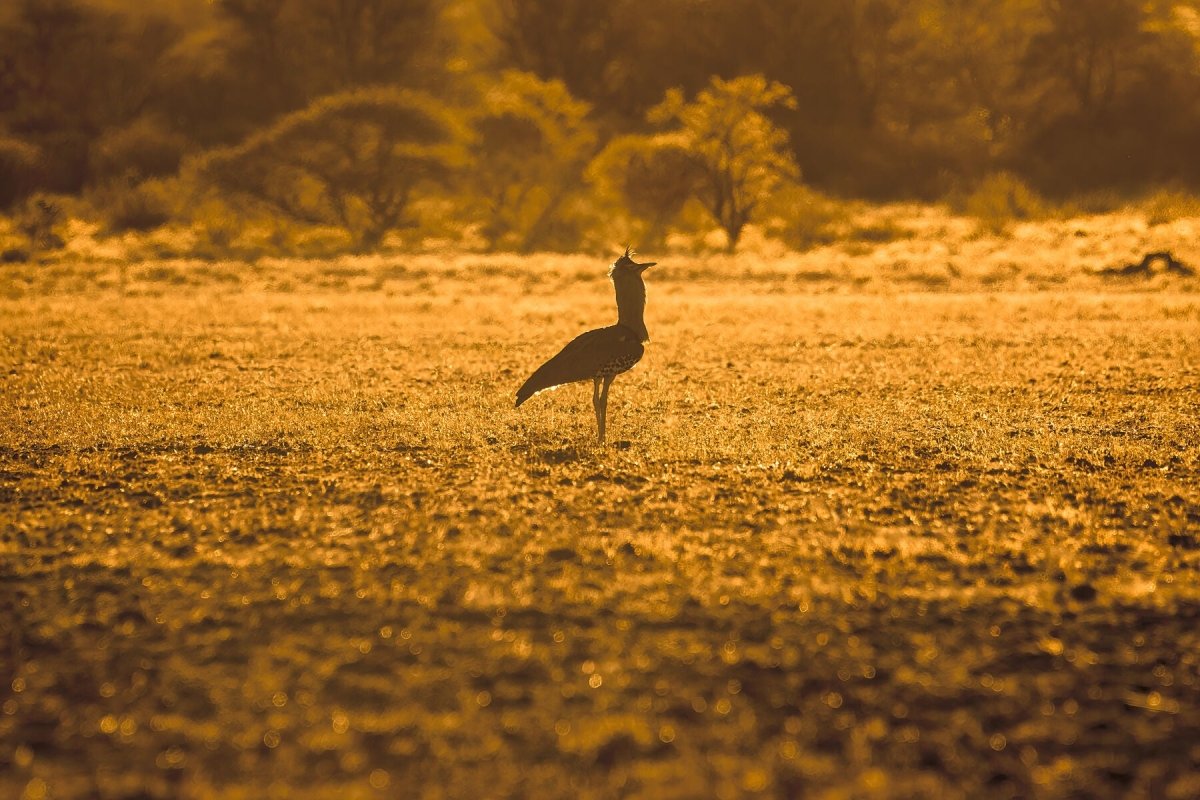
277	531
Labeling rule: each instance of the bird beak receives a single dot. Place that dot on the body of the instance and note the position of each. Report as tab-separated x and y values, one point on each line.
646	266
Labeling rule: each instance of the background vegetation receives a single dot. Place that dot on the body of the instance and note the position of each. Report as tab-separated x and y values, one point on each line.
122	103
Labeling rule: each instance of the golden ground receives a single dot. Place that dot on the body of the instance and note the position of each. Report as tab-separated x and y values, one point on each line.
278	531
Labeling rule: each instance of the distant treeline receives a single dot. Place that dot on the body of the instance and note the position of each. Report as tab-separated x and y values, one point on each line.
893	99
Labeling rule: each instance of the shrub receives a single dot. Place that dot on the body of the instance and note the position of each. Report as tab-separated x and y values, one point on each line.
356	160
221	228
743	156
651	177
1000	199
1097	201
879	231
1167	205
127	205
532	140
146	148
39	219
804	219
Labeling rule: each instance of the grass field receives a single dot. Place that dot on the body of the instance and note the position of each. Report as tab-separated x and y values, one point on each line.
277	531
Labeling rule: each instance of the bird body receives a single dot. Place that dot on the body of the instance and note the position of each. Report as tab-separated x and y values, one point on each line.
604	352
600	355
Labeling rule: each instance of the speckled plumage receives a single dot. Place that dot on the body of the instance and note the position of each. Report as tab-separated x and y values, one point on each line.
604	352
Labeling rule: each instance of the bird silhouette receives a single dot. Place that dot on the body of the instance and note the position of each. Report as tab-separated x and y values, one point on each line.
602	354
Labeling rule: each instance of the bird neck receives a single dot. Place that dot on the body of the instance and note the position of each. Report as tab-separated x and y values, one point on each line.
631	304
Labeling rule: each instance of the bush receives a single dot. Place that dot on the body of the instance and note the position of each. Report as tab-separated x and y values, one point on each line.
650	177
1000	199
218	227
144	149
804	219
127	205
531	142
880	231
1098	201
355	160
742	155
1168	205
38	219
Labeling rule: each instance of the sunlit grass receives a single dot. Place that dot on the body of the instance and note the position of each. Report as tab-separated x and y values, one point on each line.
276	527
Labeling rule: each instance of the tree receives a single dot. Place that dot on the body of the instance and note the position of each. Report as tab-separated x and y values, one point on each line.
532	140
69	71
962	106
256	52
575	41
1090	50
1120	106
280	54
355	160
651	177
741	154
145	148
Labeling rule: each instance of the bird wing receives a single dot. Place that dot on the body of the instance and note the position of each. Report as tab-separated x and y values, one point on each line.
582	359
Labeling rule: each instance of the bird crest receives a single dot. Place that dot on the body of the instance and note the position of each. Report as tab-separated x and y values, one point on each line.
625	260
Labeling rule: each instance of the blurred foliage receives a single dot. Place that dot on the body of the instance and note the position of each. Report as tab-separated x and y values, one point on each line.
20	164
890	100
145	148
127	204
1001	199
742	157
804	219
282	54
532	140
39	220
580	42
353	160
651	178
71	71
1169	204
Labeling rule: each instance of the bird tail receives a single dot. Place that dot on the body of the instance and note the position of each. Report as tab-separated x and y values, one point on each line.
575	362
547	376
530	387
525	392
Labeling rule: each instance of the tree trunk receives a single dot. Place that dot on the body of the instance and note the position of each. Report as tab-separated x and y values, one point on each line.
733	233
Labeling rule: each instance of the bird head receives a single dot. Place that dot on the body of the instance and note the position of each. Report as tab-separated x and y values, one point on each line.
626	265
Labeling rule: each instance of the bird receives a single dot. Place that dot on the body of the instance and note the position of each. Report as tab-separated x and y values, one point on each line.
602	354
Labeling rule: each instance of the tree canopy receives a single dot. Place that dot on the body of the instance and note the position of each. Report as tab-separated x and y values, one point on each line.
532	140
355	160
741	156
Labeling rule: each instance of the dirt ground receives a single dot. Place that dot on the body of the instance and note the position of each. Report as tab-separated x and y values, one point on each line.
277	531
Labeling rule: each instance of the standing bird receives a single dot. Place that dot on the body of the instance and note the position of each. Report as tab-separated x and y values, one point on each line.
604	353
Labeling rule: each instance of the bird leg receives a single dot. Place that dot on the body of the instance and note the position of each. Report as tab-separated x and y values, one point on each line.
596	407
608	379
